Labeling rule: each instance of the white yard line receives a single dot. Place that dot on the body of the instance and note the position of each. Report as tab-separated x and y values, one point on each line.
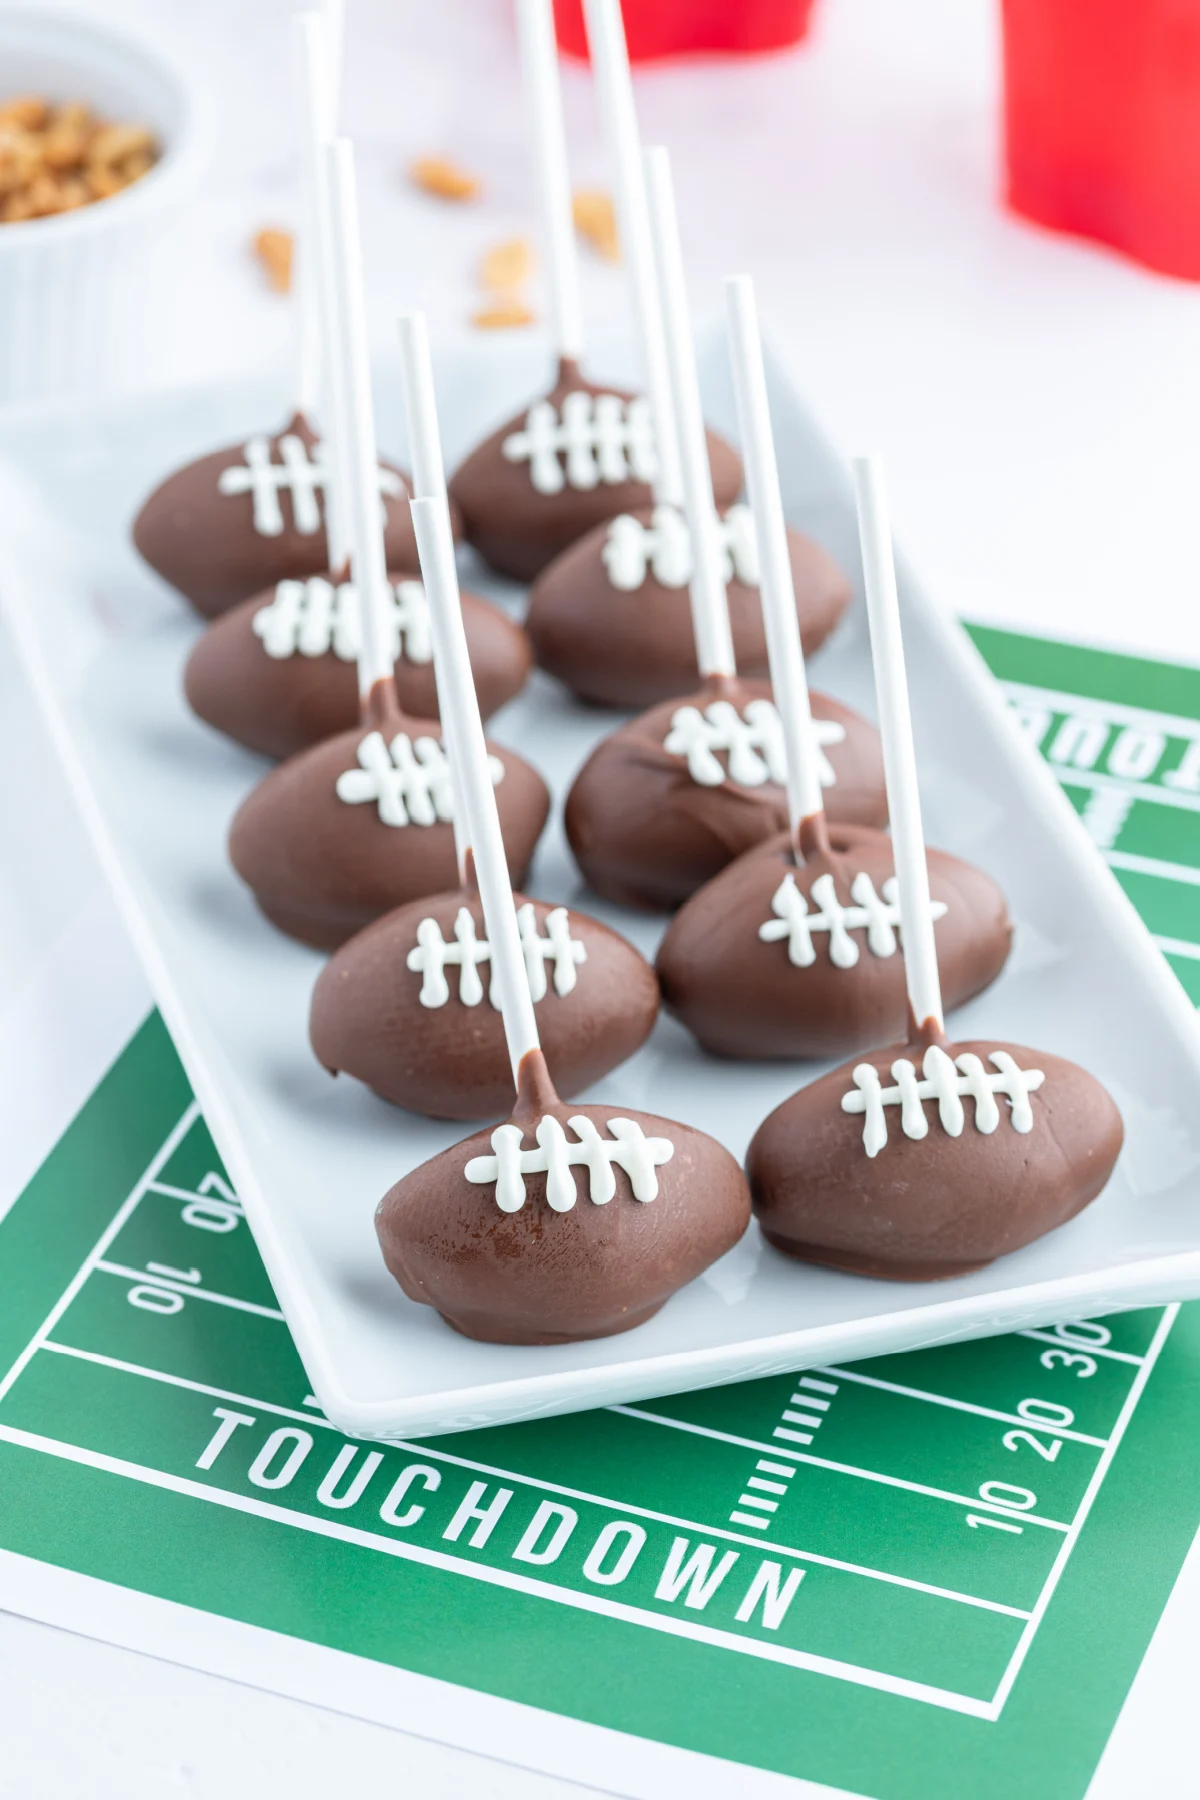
1099	782
147	1278
1116	711
123	1213
838	1468
1152	865
504	1578
1136	1389
967	1406
1176	947
427	1451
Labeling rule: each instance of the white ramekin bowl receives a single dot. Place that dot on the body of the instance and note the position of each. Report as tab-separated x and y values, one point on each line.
86	297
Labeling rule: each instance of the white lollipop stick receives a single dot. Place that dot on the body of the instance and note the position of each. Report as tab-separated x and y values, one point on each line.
364	514
314	56
614	90
312	332
710	612
429	483
899	756
456	692
778	591
543	96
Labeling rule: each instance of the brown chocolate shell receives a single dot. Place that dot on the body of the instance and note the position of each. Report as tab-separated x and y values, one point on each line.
450	1060
322	868
279	705
634	647
922	1209
518	530
205	543
645	834
541	1276
742	996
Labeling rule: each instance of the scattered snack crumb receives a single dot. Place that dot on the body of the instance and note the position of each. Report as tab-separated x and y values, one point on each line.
596	221
443	178
54	159
507	268
503	315
273	249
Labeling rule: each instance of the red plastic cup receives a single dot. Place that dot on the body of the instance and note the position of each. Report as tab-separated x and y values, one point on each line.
1102	123
662	28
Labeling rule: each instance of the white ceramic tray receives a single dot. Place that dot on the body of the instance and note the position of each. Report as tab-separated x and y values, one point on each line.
103	643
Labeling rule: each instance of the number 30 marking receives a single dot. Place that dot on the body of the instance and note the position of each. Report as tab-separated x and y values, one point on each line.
1070	1359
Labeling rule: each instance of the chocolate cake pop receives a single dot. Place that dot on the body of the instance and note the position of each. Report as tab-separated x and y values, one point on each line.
610	616
561	1224
345	831
581	453
277	673
792	951
668	800
411	1004
231	523
929	1158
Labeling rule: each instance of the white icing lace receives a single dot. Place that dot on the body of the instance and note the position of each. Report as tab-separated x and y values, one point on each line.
409	782
796	923
466	951
947	1082
752	738
599	438
312	617
557	1154
664	547
295	473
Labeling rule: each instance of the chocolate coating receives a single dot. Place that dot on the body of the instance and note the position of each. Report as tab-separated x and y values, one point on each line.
451	1061
518	530
937	1206
634	647
204	542
645	834
537	1276
279	705
739	996
321	868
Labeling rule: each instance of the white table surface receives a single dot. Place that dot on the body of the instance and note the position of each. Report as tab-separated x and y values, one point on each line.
1036	400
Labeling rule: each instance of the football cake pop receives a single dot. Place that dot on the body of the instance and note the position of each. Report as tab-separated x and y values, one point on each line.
792	951
581	453
411	1005
665	802
236	521
345	831
929	1158
277	672
610	616
563	1223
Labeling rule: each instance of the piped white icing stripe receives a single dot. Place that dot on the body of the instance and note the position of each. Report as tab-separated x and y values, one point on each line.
312	617
794	921
409	782
296	473
432	953
752	739
947	1082
557	1154
599	438
664	548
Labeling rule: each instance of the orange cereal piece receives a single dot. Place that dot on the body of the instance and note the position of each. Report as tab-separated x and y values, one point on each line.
273	249
596	221
503	315
507	267
444	179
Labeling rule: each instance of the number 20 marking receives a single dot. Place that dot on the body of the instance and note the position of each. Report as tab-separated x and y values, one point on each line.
1012	1440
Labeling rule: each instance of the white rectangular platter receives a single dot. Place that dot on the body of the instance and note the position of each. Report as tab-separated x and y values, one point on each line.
103	643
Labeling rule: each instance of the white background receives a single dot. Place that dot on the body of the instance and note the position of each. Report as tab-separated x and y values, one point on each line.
1036	399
